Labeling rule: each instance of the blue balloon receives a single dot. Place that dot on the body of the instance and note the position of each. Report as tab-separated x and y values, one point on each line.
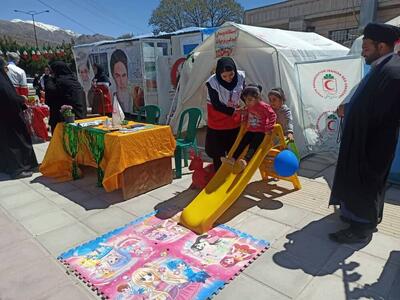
286	163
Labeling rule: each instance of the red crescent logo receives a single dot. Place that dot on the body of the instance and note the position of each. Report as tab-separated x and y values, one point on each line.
329	125
175	71
327	86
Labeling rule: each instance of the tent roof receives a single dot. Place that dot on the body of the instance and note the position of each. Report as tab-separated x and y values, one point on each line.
290	40
294	45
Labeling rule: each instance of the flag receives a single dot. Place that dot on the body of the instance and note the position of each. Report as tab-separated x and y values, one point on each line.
117	115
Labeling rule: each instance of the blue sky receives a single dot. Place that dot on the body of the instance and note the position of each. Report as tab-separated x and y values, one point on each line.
110	17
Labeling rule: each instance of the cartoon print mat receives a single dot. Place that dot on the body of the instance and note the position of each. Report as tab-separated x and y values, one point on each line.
151	258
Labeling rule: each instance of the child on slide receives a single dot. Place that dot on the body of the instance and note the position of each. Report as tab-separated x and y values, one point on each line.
259	119
284	117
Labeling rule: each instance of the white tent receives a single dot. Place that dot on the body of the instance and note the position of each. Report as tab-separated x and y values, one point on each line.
268	56
356	47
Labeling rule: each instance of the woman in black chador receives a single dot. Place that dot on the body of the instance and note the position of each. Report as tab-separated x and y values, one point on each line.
17	157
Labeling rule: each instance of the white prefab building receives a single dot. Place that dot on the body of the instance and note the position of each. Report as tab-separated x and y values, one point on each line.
148	61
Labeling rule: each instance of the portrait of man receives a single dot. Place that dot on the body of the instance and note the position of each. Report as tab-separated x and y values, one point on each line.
130	98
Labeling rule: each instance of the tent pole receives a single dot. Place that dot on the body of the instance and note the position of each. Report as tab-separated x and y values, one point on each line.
171	110
279	68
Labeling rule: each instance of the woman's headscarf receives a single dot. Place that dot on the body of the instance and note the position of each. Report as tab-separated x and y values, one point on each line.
224	64
66	90
2	66
60	68
5	80
100	75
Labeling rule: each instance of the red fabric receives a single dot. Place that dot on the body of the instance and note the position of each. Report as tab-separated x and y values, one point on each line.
22	91
42	97
201	176
38	124
218	120
107	99
260	117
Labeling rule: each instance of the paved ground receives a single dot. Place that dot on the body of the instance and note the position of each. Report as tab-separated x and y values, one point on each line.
40	218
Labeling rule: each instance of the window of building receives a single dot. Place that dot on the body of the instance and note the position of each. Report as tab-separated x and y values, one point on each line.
310	28
344	36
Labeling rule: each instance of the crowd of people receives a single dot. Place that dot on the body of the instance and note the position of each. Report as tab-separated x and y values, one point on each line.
61	87
369	137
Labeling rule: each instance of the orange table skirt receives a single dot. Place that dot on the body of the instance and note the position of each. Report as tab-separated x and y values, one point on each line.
121	151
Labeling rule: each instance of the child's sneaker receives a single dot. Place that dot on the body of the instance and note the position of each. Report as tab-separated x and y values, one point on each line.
239	166
229	161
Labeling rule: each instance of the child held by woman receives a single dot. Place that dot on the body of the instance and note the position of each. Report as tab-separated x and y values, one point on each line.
259	119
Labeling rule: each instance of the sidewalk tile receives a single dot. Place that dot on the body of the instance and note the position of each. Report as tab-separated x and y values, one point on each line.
376	273
287	277
36	208
12	233
287	214
19	198
311	252
47	222
139	205
244	287
381	246
92	206
61	239
20	254
33	281
68	292
263	228
108	219
12	187
328	287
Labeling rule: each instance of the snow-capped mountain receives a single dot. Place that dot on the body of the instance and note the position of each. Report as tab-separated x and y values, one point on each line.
48	27
22	32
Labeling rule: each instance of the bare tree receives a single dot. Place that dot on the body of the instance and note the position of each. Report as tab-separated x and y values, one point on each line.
174	15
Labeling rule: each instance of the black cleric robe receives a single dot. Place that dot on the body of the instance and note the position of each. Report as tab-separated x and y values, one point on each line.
369	141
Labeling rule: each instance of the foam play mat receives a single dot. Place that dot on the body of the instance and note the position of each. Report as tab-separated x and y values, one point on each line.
152	258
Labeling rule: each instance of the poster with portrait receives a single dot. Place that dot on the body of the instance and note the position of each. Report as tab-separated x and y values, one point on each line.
121	63
84	71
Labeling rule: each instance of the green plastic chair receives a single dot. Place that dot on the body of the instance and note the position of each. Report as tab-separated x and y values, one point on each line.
188	140
149	114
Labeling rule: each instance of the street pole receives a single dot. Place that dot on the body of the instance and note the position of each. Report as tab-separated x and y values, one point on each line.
33	14
34	30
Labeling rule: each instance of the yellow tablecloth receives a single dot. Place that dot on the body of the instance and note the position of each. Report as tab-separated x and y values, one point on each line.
122	150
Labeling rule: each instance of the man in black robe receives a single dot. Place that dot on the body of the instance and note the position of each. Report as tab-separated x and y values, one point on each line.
17	157
371	129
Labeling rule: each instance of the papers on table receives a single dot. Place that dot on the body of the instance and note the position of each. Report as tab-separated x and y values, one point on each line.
90	123
134	128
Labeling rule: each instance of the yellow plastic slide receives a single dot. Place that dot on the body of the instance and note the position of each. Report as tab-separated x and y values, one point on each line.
224	188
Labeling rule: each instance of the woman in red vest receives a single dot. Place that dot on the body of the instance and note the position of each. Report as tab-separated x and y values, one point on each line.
103	83
223	101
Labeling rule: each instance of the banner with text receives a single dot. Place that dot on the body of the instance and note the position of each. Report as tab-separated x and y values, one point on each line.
225	41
